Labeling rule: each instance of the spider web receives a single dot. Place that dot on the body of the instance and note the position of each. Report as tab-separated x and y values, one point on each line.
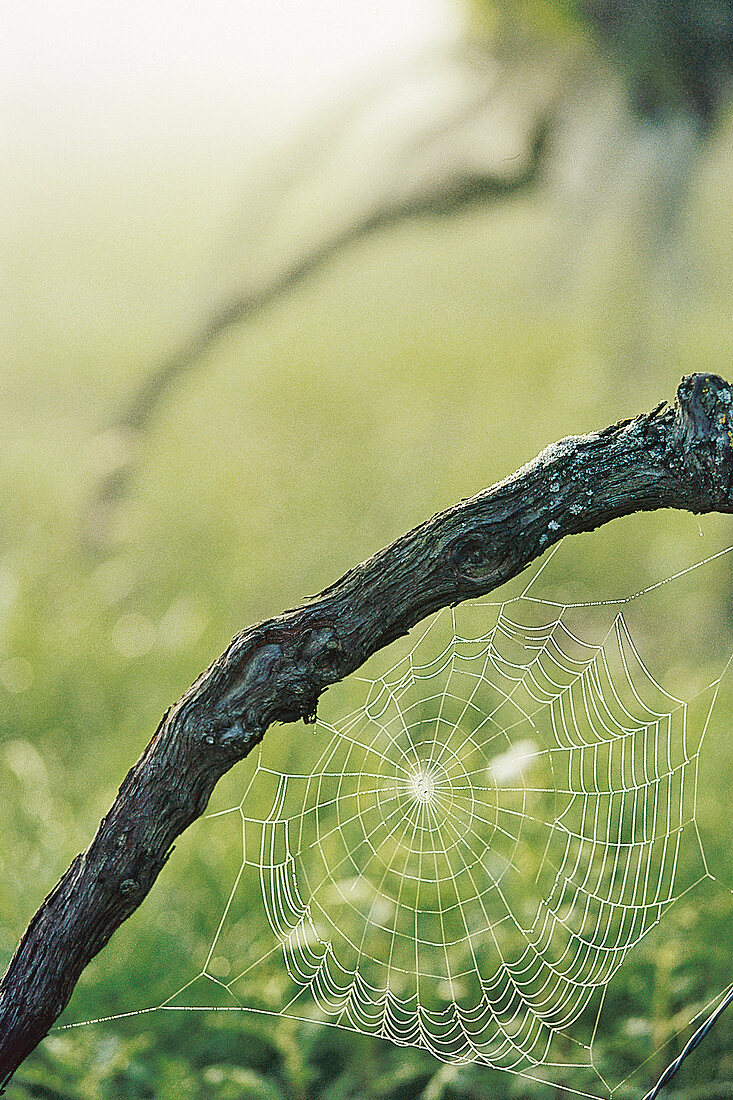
477	847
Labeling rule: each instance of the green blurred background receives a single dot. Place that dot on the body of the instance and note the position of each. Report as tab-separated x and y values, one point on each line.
436	348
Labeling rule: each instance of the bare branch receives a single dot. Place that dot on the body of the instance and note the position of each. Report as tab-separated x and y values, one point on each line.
275	671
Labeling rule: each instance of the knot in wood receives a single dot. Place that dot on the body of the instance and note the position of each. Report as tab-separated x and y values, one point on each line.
321	652
477	557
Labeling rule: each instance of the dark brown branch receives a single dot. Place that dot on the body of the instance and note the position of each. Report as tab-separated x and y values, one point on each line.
275	671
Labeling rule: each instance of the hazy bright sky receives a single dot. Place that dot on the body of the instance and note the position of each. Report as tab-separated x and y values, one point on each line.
84	65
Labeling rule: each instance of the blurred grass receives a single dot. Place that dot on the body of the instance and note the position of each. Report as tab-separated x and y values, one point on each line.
417	369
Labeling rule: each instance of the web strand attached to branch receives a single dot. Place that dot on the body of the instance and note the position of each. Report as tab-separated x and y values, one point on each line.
477	848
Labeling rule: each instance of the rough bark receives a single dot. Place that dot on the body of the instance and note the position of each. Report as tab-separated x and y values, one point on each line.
275	671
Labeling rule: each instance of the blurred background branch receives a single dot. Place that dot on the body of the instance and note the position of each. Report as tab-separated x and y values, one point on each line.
608	102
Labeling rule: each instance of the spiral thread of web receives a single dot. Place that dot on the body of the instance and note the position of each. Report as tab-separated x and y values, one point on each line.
479	847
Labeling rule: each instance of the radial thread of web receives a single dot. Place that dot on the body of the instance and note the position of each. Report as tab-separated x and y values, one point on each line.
478	847
472	853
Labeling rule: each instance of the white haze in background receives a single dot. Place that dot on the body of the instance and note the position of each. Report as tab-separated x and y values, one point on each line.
508	767
138	137
88	71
